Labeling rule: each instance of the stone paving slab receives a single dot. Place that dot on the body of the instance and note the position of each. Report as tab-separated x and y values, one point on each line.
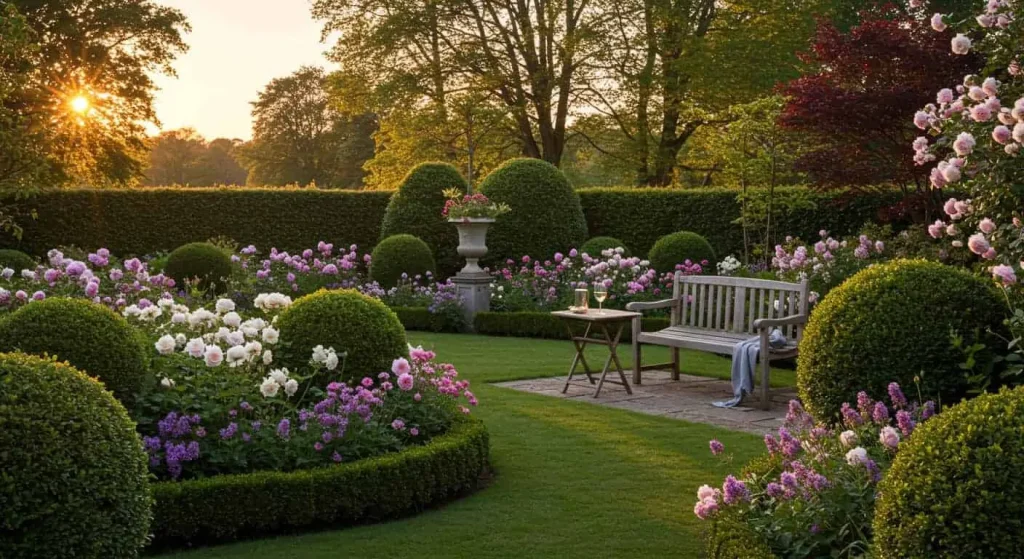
687	399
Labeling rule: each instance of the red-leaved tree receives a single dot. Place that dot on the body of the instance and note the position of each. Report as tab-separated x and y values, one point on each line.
858	104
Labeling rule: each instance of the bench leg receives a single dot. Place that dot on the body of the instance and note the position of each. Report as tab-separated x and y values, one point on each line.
766	402
637	362
675	363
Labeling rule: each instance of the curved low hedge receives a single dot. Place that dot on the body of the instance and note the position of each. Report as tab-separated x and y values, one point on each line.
543	325
230	507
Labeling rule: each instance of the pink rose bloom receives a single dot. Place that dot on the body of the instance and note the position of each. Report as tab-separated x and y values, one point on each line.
922	120
935	229
400	366
889	436
987	226
1002	134
964	144
976	93
978	244
1004	274
405	382
1018	133
986	20
981	113
945	96
961	44
950	207
951	173
938	24
1012	149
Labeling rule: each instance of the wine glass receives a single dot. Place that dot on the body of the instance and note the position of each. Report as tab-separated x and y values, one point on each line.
600	293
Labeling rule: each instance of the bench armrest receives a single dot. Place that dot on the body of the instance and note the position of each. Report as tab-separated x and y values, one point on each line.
765	323
650	305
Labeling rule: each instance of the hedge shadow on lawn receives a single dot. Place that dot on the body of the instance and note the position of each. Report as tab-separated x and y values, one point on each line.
262	504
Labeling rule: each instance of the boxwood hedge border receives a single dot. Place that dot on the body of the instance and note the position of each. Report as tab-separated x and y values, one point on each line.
237	506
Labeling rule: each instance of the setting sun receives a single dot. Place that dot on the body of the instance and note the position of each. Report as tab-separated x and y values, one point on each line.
79	104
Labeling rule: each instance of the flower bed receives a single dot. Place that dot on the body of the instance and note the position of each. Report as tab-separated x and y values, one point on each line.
259	504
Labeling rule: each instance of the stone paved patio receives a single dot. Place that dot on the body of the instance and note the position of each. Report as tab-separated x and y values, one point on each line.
688	399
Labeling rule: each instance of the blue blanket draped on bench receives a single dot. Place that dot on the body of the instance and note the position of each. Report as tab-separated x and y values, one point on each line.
744	363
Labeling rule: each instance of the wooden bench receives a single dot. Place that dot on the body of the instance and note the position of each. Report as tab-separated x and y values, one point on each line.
711	313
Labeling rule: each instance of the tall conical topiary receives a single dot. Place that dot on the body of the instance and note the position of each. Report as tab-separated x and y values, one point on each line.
546	214
416	207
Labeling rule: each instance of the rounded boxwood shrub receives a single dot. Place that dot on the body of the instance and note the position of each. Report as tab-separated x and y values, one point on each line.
397	255
546	214
955	488
416	208
211	265
16	260
595	246
89	336
75	479
349	322
892	323
677	248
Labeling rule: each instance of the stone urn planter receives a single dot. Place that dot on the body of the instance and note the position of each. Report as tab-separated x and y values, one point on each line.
472	242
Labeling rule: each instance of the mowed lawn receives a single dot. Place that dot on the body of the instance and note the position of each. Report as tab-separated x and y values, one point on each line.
571	479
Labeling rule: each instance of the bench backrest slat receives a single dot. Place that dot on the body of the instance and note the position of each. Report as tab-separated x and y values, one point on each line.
727	304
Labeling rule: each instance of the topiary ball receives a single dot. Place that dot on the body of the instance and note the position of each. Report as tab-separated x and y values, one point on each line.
416	208
93	338
594	247
75	479
397	255
546	214
202	261
349	322
954	489
16	260
677	248
892	323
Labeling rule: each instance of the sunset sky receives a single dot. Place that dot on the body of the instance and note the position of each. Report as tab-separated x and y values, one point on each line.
237	46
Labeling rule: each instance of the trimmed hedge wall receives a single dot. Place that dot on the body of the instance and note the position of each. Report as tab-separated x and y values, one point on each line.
149	220
229	507
144	221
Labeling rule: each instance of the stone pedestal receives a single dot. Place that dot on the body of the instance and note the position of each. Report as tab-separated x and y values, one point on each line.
474	288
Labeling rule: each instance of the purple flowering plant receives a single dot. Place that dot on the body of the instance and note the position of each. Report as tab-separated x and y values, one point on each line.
813	494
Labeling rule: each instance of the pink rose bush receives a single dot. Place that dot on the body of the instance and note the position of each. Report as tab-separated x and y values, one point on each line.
827	262
813	495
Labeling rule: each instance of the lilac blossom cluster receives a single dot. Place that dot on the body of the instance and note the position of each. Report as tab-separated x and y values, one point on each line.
811	488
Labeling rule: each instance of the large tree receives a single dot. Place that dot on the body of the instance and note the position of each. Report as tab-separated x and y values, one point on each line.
300	137
90	83
856	99
183	157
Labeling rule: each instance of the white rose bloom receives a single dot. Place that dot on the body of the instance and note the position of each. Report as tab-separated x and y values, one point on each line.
165	345
319	354
151	313
7	273
280	376
270	335
179	340
268	357
291	387
232	319
269	388
225	305
179	318
332	360
235	338
272	301
857	456
179	308
222	333
196	347
236	355
165	303
645	263
254	349
214	355
848	438
167	382
131	310
28	274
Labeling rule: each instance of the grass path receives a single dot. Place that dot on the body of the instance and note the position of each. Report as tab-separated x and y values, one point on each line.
573	479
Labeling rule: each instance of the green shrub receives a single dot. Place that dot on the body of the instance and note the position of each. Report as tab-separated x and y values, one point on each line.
416	210
955	488
397	255
233	506
91	337
75	480
679	247
893	323
729	537
349	322
546	215
16	260
419	318
594	247
211	265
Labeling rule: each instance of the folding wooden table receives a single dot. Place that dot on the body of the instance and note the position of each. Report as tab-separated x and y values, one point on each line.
605	322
